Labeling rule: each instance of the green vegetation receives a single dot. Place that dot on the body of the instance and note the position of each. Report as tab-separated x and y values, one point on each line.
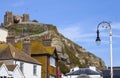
26	29
73	59
64	69
86	60
51	27
70	51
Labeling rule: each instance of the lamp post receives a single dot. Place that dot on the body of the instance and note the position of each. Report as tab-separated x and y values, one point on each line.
106	26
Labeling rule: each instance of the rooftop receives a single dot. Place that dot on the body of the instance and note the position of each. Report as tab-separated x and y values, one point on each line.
86	71
37	47
8	52
107	73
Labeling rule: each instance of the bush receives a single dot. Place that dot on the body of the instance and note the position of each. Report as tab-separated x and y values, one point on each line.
73	59
64	69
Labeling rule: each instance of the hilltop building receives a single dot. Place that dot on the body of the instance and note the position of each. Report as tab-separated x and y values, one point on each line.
10	18
38	56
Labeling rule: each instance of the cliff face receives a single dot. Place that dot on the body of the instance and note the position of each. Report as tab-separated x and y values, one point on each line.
70	54
73	55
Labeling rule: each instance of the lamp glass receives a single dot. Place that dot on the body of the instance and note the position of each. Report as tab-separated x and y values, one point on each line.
98	41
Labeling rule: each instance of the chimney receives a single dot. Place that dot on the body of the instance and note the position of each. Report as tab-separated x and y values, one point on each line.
27	46
11	38
47	40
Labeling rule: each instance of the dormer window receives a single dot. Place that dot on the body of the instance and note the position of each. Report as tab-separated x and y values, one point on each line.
52	61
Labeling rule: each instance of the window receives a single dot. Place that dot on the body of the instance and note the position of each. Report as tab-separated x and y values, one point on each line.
34	69
51	76
5	77
52	61
10	77
21	66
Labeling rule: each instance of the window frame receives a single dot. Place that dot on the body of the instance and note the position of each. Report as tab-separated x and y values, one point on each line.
52	61
21	66
34	69
51	76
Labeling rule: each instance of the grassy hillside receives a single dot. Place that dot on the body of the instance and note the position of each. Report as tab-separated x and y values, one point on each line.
70	54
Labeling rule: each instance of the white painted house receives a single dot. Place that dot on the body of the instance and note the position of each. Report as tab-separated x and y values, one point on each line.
10	71
14	71
3	34
3	70
30	67
90	72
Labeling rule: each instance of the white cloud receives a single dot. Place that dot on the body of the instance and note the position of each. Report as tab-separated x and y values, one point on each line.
116	29
116	36
71	31
77	33
115	26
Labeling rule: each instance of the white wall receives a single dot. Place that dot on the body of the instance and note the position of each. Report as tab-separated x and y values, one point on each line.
3	70
28	70
95	76
17	73
3	34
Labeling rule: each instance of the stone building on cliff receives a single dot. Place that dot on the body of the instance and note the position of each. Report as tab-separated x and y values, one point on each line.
10	18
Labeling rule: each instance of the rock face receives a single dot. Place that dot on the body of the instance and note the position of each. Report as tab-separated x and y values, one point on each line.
70	54
74	55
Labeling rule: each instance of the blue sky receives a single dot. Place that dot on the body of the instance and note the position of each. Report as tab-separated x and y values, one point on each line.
75	19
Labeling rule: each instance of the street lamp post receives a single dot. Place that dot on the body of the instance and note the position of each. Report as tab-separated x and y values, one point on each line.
107	26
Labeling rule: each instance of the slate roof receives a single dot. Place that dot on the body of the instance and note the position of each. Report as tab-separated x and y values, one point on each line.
86	71
107	73
8	52
115	68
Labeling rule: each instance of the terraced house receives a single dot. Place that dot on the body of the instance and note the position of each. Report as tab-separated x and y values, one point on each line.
10	71
43	53
47	55
10	55
36	59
